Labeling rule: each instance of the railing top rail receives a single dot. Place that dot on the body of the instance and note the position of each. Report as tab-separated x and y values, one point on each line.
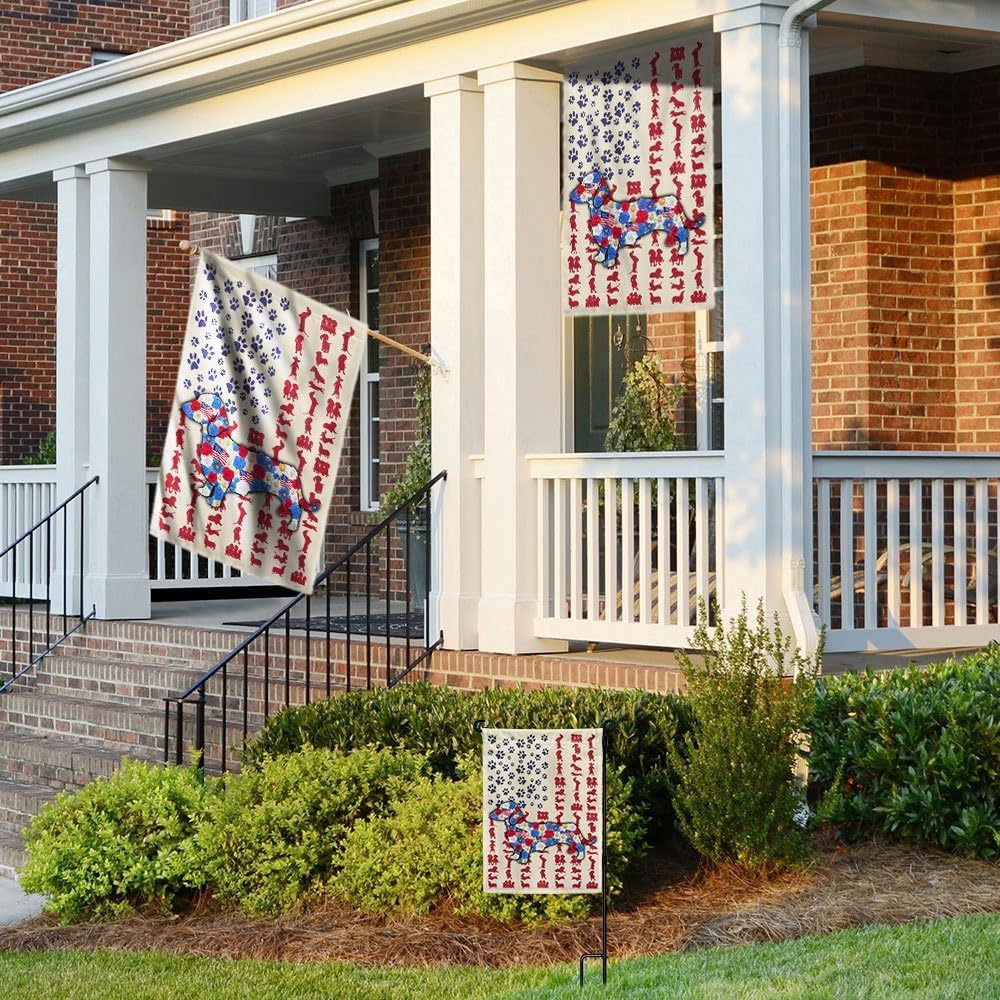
905	465
27	473
321	578
55	510
628	465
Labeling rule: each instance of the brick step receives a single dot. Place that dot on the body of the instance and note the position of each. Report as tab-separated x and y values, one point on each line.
118	681
51	762
19	801
95	723
12	853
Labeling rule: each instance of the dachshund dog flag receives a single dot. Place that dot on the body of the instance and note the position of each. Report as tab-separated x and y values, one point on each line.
638	181
543	808
257	425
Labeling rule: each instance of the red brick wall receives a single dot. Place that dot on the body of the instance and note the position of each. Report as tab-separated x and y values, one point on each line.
41	41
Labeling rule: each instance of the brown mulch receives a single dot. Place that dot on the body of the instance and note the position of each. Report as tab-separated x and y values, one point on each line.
682	909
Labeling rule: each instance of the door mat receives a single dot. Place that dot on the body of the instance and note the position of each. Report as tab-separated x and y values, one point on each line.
395	624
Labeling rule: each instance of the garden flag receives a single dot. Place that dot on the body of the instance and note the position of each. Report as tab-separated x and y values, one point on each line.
257	425
638	181
543	806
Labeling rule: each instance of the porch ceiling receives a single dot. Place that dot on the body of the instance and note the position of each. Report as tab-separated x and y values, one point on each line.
265	116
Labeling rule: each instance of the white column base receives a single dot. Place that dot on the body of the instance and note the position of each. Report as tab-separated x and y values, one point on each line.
458	619
119	597
507	625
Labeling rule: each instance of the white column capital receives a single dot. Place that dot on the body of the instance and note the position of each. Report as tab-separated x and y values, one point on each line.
758	14
517	71
77	172
451	85
109	164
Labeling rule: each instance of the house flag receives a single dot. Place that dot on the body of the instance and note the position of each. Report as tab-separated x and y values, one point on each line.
543	807
257	425
638	180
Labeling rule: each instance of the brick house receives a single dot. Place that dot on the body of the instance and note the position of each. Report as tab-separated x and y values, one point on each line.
311	142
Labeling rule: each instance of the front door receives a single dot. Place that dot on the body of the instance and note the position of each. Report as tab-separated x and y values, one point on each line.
600	348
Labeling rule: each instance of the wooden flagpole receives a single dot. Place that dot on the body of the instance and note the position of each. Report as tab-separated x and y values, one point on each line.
193	249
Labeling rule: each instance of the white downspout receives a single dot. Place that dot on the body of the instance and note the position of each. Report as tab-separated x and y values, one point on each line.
796	348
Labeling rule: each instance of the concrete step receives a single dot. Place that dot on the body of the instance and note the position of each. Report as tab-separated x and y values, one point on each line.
12	854
19	801
51	762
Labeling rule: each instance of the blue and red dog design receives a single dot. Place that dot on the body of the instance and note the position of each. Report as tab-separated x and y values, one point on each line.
523	838
230	467
615	225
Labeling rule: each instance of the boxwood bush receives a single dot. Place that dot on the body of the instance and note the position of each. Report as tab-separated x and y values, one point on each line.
428	852
274	838
445	725
119	843
913	753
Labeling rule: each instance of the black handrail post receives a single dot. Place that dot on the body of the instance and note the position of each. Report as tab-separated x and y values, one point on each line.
267	671
406	582
199	727
31	596
328	638
368	614
81	560
388	607
65	562
427	572
225	686
48	584
180	730
288	646
347	592
308	650
166	730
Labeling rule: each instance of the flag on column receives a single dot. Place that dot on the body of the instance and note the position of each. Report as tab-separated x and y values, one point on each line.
638	180
543	808
257	425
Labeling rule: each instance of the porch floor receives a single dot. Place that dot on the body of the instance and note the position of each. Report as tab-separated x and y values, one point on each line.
214	613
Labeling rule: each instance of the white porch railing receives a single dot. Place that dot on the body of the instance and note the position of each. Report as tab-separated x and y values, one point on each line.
28	492
905	549
627	544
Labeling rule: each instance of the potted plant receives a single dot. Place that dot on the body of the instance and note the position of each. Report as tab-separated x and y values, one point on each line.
416	474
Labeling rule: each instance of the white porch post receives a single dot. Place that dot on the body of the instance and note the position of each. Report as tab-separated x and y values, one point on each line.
117	574
72	369
457	341
522	327
753	389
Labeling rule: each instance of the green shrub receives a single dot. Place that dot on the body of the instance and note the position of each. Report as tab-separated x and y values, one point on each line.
46	452
444	725
917	751
275	837
429	852
737	797
118	843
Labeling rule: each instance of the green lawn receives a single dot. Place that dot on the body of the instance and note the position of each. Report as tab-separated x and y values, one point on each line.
957	958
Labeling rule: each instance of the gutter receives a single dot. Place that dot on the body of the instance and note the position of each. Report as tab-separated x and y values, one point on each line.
796	351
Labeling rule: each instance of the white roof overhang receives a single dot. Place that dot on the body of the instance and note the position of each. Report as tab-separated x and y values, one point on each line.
285	105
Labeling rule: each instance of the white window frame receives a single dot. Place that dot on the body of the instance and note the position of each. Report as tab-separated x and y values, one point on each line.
264	264
368	502
705	346
247	10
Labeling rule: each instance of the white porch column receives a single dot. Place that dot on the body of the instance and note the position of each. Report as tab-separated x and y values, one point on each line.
72	369
457	341
522	326
117	573
753	383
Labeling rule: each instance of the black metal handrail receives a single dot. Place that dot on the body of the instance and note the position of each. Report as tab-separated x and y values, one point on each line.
47	523
214	684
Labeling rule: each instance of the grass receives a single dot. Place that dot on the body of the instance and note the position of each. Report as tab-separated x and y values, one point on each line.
942	959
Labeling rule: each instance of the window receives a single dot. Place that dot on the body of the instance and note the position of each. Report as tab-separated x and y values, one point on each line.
369	377
246	10
266	265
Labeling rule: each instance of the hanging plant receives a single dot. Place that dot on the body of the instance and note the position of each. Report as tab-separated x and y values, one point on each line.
644	416
417	471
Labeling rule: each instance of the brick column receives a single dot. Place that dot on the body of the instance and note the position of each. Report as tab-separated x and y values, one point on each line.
117	569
